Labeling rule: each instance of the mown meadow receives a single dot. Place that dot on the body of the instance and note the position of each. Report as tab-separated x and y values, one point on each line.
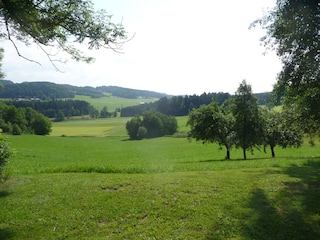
113	102
88	181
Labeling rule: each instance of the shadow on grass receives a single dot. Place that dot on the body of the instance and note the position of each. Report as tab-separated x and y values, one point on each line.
283	210
5	234
4	194
293	212
314	159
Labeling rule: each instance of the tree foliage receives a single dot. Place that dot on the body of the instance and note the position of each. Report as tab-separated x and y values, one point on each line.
242	122
133	126
248	119
293	30
177	105
5	153
52	108
282	129
59	23
48	90
151	125
41	125
23	120
210	123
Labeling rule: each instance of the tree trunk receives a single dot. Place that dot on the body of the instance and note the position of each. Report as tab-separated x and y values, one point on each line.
272	151
244	154
228	153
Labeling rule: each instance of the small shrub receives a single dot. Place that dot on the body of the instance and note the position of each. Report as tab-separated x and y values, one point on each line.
5	153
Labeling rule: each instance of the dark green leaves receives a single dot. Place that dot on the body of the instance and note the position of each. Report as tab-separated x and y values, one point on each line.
293	30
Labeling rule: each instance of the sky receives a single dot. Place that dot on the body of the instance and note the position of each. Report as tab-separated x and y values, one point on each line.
177	47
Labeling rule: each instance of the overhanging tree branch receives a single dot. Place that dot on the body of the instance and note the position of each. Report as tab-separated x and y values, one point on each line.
48	22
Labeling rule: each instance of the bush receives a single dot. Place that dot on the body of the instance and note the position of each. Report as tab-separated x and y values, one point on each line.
41	125
133	126
5	153
154	124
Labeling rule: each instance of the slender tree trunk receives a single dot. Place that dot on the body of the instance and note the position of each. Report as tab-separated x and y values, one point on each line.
272	151
228	153
244	154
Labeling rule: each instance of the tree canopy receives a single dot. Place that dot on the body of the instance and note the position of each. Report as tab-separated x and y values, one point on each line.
153	124
293	30
248	119
59	23
281	129
210	123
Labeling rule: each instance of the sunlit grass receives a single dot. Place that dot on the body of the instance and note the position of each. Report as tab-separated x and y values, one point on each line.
108	187
113	103
100	127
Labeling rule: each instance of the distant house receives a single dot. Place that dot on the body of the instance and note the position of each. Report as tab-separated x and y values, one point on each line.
26	99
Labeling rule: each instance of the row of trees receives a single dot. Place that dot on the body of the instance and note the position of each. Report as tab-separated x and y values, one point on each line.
51	108
182	105
104	113
152	124
23	120
175	106
242	123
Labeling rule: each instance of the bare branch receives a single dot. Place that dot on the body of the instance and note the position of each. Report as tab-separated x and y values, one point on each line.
15	46
50	59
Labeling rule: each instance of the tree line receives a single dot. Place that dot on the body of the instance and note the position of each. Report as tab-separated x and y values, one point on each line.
49	91
23	120
51	108
183	105
242	123
175	106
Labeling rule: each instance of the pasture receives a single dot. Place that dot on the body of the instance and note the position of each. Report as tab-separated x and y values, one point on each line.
96	184
112	103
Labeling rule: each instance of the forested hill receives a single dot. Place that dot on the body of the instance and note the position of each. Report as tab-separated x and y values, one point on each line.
48	90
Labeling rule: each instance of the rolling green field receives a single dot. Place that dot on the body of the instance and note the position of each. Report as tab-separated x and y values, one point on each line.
96	184
112	103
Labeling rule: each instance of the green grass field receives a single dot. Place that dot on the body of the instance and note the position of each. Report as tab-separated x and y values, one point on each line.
96	184
112	103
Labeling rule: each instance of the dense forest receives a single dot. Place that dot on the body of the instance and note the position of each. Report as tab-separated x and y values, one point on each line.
53	107
47	91
181	106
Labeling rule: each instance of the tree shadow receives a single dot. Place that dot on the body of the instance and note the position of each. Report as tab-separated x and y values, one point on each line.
272	221
288	209
4	194
292	213
5	234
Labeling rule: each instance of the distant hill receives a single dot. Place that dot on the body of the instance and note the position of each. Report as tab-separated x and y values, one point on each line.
48	90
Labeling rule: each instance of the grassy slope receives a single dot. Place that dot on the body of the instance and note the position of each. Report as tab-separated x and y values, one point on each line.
113	102
165	188
100	127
